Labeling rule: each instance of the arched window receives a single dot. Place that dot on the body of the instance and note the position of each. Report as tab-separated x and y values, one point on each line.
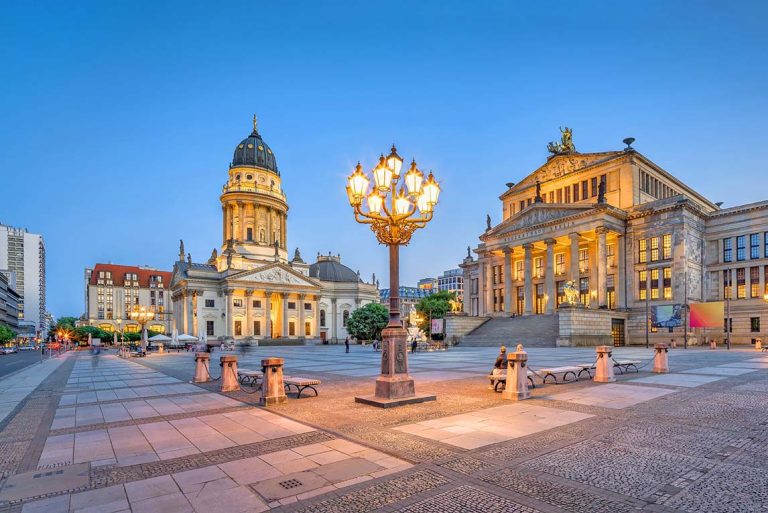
322	318
249	234
345	318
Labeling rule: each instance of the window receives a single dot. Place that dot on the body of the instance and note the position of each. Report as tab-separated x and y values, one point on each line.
559	195
249	234
256	303
322	318
308	306
519	270
593	186
584	291
551	196
765	279
610	255
575	192
209	328
728	250
237	303
667	273
560	292
307	329
560	264
754	282
741	247
538	266
741	283
238	328
257	328
520	300
654	284
291	305
584	189
754	324
727	284
345	318
291	329
666	246
754	245
568	200
210	303
766	245
540	298
642	252
583	260
654	249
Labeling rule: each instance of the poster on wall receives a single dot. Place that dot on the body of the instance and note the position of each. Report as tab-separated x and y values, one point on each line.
437	326
707	315
667	316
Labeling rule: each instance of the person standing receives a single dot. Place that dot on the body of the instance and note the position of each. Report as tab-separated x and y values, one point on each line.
346	344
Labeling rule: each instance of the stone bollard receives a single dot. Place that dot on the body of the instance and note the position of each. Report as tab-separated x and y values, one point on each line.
517	377
228	365
272	387
202	366
604	366
758	344
660	360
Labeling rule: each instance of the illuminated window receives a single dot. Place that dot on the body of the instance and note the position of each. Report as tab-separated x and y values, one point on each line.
728	250
519	270
727	284
560	264
538	266
237	303
583	260
642	252
560	292
667	282
654	249
291	329
238	328
754	282
307	329
741	283
654	284
584	291
666	246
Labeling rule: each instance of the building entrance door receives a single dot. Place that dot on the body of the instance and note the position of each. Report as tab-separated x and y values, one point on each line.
617	332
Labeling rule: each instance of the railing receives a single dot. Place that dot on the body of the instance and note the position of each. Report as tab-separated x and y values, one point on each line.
257	189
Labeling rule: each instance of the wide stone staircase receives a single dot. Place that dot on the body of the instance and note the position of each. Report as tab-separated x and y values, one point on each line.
531	331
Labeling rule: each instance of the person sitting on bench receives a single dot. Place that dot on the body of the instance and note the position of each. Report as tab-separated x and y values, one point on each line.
499	366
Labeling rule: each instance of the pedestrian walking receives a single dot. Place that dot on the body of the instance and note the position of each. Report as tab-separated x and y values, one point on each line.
346	344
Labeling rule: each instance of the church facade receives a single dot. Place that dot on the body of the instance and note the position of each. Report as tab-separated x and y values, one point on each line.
628	236
249	290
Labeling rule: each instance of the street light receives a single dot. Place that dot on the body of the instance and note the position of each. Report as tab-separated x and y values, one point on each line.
393	213
141	315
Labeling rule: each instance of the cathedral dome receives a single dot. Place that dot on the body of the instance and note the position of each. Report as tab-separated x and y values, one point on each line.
330	268
254	152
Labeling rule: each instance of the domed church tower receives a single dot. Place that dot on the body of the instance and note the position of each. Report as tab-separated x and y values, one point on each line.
254	208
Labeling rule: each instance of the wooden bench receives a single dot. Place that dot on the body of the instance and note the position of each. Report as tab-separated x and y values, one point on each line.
502	380
565	371
249	377
624	365
301	384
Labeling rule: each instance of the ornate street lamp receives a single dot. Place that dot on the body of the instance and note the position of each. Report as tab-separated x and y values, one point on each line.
141	315
394	209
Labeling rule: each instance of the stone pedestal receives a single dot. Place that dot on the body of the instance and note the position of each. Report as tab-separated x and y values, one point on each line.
202	366
273	387
604	366
394	387
228	365
517	377
660	360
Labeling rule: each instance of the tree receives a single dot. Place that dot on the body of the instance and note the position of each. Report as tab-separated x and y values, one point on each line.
65	323
6	334
366	322
434	306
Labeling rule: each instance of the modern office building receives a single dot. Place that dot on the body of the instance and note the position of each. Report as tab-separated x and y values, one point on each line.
112	291
409	296
23	254
9	301
452	280
427	284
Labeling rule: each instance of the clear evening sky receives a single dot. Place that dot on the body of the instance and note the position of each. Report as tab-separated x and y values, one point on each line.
118	119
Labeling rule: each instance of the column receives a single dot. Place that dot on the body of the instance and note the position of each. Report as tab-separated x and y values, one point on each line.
243	232
574	274
224	224
481	288
269	227
195	303
301	332
602	267
488	289
268	314
333	318
285	315
549	277
528	305
620	283
248	331
315	317
508	281
184	312
228	296
190	312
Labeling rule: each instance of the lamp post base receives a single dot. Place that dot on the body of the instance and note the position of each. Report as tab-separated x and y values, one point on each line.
394	387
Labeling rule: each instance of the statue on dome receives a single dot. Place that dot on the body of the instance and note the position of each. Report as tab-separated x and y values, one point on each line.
181	250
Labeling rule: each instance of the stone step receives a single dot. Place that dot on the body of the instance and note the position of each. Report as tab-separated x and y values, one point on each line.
531	331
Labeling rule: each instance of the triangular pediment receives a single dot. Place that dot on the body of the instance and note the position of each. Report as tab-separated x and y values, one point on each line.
560	165
274	274
536	214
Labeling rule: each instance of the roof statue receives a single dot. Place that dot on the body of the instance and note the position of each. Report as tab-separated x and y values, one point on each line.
468	253
487	221
297	256
255	123
189	258
601	191
214	256
181	250
538	198
565	145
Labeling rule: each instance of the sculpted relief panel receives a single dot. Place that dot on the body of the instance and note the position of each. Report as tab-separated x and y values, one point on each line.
276	275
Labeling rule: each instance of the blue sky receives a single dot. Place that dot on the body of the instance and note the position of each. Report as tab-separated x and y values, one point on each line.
118	119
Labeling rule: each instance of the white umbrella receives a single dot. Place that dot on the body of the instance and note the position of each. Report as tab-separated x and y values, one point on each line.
160	338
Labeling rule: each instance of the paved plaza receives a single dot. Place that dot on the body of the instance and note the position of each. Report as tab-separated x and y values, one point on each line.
104	434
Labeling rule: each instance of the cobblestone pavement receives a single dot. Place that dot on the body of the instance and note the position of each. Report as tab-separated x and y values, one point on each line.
693	440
